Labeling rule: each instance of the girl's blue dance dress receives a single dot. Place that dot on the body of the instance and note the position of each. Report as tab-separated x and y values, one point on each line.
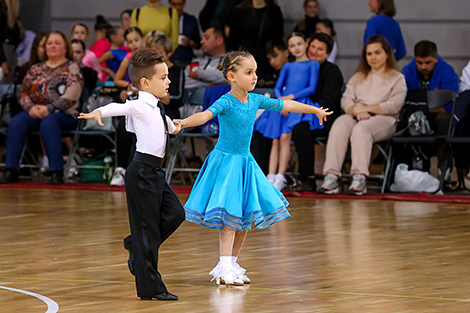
299	79
231	189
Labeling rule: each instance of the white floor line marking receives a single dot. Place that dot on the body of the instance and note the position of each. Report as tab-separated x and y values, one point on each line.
52	306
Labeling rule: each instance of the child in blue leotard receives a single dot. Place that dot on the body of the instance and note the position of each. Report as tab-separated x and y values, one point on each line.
231	191
297	80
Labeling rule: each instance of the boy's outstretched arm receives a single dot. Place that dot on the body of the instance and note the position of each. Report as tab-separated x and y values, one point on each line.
96	114
297	107
195	119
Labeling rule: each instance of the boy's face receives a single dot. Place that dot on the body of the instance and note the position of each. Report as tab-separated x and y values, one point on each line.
159	84
278	58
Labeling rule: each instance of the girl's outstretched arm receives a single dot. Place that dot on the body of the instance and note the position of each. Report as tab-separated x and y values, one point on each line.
195	119
297	107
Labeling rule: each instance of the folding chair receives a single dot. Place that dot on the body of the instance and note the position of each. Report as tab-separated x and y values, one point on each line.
435	99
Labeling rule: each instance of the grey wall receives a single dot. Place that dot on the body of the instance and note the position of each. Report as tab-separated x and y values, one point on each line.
446	23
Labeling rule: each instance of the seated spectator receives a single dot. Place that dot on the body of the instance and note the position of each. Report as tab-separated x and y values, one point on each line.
89	75
50	96
326	26
297	81
428	71
327	95
277	55
307	26
23	50
383	24
189	37
203	72
80	32
125	18
38	54
373	99
155	15
114	56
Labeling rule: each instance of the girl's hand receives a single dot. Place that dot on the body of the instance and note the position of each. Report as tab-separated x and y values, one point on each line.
96	114
322	114
284	113
363	116
177	129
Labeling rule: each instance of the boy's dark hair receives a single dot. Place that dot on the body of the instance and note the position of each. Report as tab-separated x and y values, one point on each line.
327	39
112	31
142	65
328	23
277	43
426	48
80	42
82	25
219	30
133	29
127	11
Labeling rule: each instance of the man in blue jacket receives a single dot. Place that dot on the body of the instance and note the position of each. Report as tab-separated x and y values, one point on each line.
428	71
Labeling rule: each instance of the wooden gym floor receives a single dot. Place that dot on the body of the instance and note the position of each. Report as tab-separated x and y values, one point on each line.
65	248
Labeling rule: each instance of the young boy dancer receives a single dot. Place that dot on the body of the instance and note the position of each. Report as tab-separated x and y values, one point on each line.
154	209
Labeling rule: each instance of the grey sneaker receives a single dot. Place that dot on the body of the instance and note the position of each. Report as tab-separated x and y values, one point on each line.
358	186
330	185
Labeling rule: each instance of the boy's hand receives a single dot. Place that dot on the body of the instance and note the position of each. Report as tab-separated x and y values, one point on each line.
96	114
322	114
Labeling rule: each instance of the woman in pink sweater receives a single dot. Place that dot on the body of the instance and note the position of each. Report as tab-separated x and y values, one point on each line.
372	102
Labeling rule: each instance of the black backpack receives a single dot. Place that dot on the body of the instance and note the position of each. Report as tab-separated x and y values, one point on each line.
414	117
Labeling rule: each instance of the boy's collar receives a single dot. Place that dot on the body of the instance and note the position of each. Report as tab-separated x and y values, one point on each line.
148	98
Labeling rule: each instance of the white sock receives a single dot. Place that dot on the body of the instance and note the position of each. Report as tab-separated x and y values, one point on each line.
234	260
280	177
226	260
271	176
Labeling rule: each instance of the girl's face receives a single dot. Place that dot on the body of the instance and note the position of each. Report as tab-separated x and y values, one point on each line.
297	46
322	28
118	39
311	9
42	49
135	42
79	32
376	56
55	47
78	53
374	6
245	77
317	51
125	21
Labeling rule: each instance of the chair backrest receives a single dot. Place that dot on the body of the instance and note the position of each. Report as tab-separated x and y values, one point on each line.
440	98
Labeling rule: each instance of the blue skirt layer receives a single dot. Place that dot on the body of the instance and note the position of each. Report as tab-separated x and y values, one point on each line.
231	189
272	124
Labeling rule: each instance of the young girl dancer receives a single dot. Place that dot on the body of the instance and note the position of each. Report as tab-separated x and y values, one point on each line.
297	80
231	191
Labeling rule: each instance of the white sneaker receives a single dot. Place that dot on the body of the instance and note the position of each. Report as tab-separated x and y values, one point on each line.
118	177
358	186
44	164
330	185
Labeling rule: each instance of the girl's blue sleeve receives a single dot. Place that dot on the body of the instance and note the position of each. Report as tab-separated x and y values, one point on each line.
280	81
269	104
310	90
401	48
219	107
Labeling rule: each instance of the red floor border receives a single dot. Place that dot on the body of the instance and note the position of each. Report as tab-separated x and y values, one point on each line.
417	197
